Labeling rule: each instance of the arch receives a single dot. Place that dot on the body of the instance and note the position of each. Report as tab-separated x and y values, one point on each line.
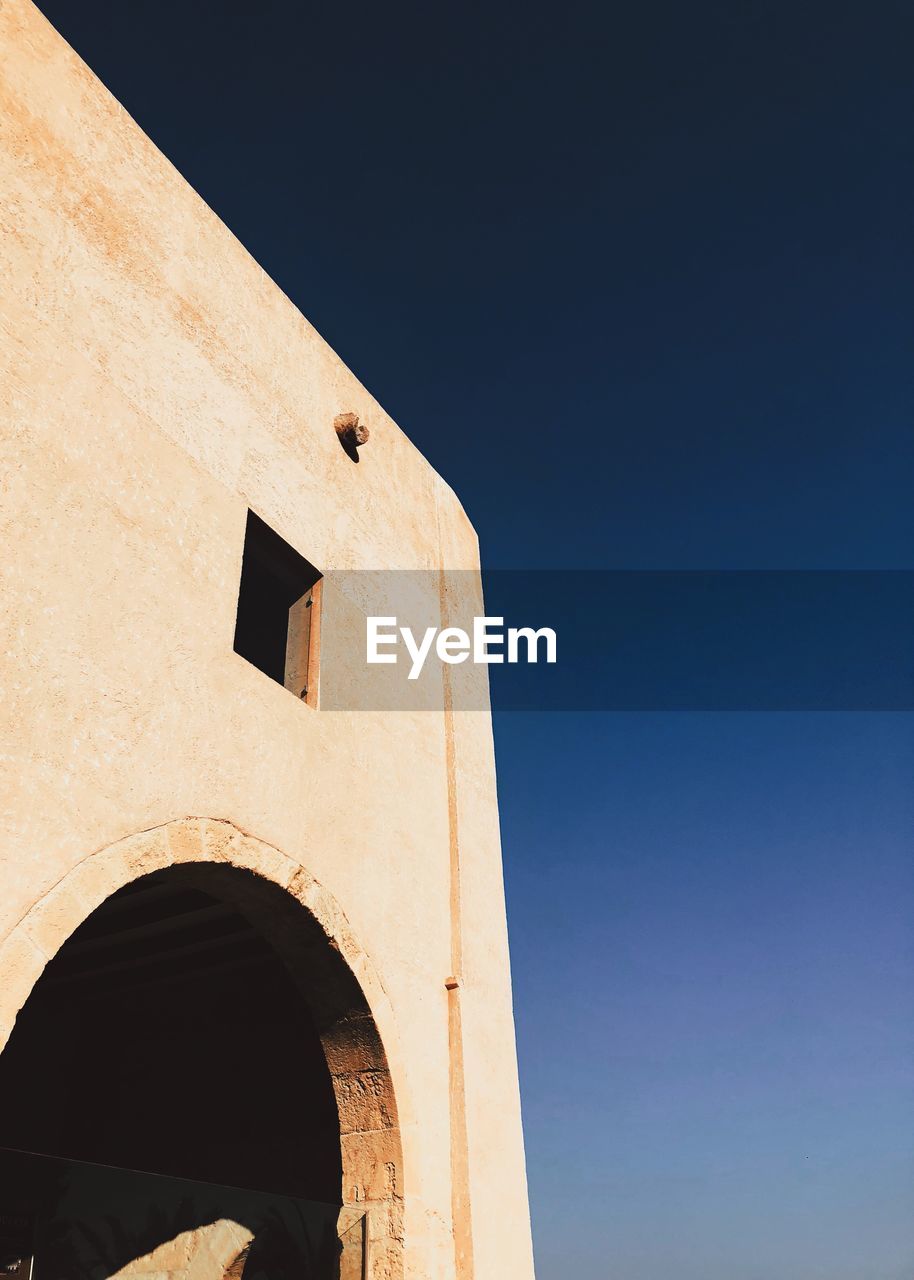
310	934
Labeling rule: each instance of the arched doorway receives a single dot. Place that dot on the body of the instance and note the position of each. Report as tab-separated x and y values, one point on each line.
204	1023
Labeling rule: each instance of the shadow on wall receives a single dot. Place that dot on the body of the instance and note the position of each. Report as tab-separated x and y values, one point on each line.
93	1223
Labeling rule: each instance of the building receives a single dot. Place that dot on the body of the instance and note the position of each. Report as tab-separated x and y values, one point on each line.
244	940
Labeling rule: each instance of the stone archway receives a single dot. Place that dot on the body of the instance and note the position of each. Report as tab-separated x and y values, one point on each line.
309	933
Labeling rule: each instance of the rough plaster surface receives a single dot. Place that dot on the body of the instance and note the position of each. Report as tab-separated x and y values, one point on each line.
155	385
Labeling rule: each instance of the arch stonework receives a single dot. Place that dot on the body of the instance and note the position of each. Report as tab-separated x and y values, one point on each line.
351	1011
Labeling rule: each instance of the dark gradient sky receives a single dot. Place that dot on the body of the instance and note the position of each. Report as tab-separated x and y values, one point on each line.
638	281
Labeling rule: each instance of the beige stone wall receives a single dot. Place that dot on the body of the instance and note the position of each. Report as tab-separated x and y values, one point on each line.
155	385
214	1252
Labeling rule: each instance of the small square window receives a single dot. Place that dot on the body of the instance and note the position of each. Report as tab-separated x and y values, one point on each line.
277	627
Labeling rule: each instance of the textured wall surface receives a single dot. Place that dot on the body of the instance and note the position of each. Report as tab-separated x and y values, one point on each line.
155	386
215	1252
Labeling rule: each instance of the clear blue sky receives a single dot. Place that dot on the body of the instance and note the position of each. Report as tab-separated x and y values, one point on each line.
638	280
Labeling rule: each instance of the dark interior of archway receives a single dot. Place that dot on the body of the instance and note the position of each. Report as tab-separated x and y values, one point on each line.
167	1036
